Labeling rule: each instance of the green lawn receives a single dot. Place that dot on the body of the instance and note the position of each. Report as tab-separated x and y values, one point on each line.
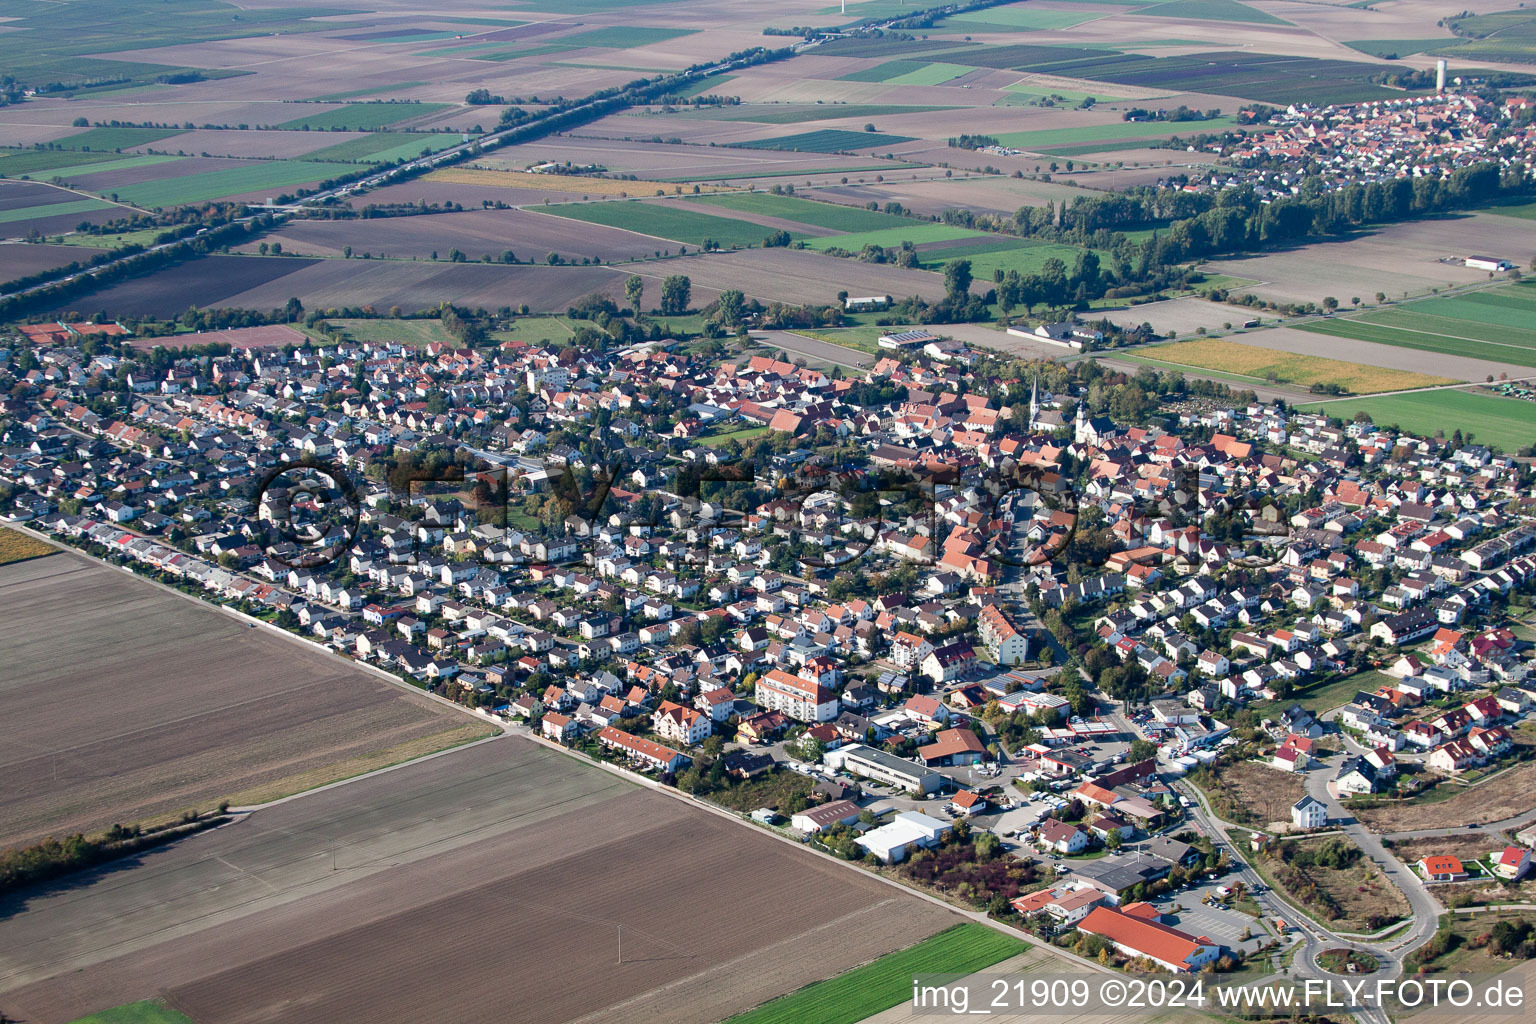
1525	211
664	222
833	216
400	332
54	210
147	1012
270	175
916	234
363	116
538	329
1026	259
887	982
1505	423
741	434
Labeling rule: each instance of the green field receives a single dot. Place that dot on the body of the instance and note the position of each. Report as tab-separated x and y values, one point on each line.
1391	48
936	73
1525	211
1119	131
1495	324
1505	423
887	982
673	222
147	1012
1212	10
538	329
1024	256
53	210
1420	339
624	37
532	51
352	94
363	117
827	140
1013	19
890	237
272	175
117	138
16	162
833	216
384	147
415	333
777	113
885	72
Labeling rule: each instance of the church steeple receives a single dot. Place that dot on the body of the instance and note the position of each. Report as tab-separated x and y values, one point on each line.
1034	403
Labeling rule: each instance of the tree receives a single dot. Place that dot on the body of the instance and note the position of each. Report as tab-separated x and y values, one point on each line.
730	305
1330	303
957	279
634	291
674	294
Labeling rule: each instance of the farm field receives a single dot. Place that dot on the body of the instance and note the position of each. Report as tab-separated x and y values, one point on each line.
174	705
1492	324
880	985
683	225
16	546
570	183
1401	260
361	117
788	275
1027	258
231	181
915	233
1505	423
1279	368
206	283
528	234
833	216
1134	133
514	862
829	140
1292	340
19	260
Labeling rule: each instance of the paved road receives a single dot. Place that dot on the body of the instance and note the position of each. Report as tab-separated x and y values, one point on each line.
813	348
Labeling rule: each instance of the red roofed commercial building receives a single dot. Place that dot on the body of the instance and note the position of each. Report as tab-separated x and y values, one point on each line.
653	754
798	698
953	747
1164	946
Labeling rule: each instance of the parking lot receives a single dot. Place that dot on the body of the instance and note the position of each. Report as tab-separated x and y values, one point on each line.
1216	923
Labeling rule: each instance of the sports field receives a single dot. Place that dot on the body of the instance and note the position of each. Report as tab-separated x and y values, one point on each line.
664	222
1288	368
834	216
1505	423
887	981
1495	325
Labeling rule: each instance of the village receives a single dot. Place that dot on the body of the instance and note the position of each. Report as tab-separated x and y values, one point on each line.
804	596
1422	137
